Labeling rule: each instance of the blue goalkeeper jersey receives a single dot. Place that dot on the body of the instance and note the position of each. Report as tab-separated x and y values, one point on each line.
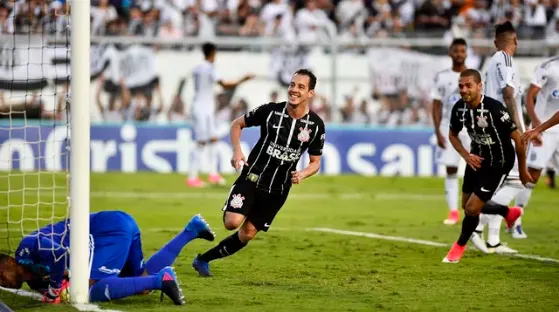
45	251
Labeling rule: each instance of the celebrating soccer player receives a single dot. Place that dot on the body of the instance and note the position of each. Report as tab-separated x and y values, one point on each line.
287	130
490	159
117	267
203	116
445	94
502	82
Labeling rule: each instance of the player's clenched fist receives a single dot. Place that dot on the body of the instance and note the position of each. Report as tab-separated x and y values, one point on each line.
238	160
296	177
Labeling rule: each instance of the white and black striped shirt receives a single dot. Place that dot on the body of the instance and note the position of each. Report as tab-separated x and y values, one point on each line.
282	141
489	125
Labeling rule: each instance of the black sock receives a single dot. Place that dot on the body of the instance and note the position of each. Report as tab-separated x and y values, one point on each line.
493	208
226	247
551	176
469	225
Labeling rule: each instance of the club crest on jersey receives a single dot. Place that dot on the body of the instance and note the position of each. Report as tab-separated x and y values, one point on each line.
482	121
555	94
304	135
237	201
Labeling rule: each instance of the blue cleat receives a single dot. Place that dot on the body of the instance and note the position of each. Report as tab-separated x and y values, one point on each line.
202	267
198	225
170	286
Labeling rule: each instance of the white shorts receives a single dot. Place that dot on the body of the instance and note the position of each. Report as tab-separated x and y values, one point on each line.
203	127
448	156
539	156
507	192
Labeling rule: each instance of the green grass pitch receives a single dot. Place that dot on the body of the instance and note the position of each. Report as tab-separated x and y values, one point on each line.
292	268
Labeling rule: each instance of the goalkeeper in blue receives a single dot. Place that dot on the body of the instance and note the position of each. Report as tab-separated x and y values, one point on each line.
117	268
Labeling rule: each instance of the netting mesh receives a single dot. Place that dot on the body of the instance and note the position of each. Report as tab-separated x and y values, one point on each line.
34	119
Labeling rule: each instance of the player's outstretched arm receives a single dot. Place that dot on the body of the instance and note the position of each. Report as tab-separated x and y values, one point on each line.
521	157
510	103
533	135
233	84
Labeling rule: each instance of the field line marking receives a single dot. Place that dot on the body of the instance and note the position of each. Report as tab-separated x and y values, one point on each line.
419	242
37	296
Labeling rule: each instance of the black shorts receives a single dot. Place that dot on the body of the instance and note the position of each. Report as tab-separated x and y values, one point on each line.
258	206
485	181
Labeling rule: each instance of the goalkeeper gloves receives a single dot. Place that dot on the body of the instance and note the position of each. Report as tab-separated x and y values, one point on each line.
52	295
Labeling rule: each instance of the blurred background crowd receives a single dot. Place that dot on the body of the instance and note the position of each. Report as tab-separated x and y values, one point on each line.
388	102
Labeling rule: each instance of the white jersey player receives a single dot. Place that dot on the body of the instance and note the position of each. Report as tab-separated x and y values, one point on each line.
503	84
202	113
545	88
445	94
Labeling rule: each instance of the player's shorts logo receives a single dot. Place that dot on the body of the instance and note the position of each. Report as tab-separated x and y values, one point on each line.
555	94
304	135
237	201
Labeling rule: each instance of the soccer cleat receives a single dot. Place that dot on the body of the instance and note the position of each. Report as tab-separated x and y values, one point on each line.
479	242
518	233
216	179
514	213
453	218
455	253
170	286
501	249
195	182
202	267
201	227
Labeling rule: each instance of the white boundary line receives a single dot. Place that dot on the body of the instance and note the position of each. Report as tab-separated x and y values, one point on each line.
419	242
37	296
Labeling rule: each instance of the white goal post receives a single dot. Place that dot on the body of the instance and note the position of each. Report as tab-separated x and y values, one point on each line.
80	144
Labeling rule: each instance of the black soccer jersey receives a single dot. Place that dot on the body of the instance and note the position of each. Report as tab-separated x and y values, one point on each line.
489	125
282	141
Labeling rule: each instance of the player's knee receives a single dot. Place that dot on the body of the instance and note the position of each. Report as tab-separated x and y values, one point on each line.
451	172
471	209
246	235
231	224
535	174
232	221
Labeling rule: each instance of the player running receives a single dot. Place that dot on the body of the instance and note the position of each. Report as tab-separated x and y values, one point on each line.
203	116
286	131
445	94
544	85
490	159
502	82
117	267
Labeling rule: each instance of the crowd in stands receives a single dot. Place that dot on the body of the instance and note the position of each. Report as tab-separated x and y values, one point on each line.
305	20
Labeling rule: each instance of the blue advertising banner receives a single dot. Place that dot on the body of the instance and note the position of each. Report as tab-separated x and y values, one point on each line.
144	147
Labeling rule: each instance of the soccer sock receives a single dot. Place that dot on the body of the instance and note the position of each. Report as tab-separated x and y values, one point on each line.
451	191
226	247
212	158
112	288
494	232
195	164
524	196
483	220
493	208
469	225
165	256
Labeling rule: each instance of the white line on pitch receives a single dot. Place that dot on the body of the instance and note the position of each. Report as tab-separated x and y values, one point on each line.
418	241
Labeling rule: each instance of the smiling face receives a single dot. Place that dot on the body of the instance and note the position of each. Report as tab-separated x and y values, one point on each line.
469	88
299	91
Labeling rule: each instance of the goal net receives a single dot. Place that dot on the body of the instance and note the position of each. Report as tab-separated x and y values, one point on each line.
36	125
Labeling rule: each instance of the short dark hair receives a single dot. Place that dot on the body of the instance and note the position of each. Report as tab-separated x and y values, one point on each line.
471	73
208	48
504	28
308	73
458	41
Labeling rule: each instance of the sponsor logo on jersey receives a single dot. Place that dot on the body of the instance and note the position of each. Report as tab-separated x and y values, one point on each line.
482	139
283	153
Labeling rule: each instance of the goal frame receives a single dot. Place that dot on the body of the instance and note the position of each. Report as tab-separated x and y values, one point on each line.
80	121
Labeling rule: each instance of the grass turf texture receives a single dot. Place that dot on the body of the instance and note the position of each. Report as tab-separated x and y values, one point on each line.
293	269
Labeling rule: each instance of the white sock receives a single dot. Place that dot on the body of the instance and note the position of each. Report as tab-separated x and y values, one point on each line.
524	196
518	222
494	232
196	158
483	220
212	158
451	191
